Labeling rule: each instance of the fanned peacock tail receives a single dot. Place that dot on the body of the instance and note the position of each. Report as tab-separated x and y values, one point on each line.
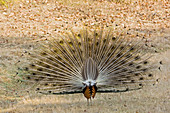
90	61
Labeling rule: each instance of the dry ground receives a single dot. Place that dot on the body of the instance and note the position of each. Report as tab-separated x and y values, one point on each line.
25	22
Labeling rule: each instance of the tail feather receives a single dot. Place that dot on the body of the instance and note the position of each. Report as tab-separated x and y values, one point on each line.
63	65
75	49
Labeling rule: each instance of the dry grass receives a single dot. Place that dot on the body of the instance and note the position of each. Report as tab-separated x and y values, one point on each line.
40	19
150	99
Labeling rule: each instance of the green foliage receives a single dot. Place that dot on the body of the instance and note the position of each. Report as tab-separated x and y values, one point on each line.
4	2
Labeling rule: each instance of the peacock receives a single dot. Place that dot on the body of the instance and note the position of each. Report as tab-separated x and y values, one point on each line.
90	61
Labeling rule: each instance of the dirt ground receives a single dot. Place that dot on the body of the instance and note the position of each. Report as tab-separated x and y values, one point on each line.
24	23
